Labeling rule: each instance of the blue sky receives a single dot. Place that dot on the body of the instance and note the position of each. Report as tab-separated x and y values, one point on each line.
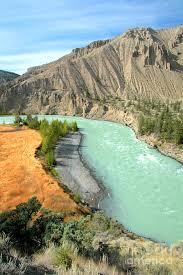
34	32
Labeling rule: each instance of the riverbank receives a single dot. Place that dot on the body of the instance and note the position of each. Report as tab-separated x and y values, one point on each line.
111	159
130	119
134	251
22	175
74	172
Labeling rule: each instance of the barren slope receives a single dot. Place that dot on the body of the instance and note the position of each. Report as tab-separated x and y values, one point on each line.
140	63
22	175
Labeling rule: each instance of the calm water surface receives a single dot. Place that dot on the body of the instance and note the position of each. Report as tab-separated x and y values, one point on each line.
145	187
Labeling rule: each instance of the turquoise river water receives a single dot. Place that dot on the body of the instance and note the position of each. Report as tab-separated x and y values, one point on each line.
145	187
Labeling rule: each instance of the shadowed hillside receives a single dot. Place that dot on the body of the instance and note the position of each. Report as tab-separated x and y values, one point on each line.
7	76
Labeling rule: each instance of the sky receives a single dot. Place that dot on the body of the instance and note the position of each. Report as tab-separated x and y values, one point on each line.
34	32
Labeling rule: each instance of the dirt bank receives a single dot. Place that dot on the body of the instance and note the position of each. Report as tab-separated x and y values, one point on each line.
22	175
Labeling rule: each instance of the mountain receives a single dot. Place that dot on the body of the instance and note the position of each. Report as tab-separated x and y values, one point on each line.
141	63
7	76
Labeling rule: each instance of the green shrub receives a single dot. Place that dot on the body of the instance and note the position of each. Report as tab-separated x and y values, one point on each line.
54	232
54	173
32	122
63	258
50	158
77	198
44	127
50	133
14	223
165	124
100	222
18	119
74	127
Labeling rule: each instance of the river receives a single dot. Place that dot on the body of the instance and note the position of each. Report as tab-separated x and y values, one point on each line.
145	187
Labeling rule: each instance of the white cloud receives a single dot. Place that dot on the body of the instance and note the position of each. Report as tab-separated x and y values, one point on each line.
21	62
34	32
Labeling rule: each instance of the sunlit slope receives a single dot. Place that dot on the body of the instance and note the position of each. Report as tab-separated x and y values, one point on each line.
143	63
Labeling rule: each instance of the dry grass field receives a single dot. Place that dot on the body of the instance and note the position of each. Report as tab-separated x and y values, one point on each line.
22	175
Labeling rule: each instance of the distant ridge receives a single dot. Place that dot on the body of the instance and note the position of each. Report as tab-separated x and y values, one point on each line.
141	63
7	76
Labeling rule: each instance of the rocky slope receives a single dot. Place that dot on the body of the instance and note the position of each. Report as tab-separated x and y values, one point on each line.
141	63
7	76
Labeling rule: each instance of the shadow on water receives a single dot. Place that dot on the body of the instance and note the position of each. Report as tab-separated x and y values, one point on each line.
81	129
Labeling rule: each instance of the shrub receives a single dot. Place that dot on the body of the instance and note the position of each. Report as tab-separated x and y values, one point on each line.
44	127
74	127
54	232
50	158
63	258
17	120
50	135
15	222
32	122
47	228
141	122
54	173
161	119
77	198
100	222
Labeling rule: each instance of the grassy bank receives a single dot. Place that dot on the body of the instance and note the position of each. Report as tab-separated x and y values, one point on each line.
50	133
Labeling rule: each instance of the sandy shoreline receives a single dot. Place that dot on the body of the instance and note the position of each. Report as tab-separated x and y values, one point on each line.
74	172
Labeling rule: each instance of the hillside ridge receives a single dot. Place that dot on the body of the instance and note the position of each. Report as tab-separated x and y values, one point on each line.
141	63
7	76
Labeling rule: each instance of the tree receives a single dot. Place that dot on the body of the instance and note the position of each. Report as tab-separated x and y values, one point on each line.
159	123
14	223
178	132
33	122
73	126
18	119
141	123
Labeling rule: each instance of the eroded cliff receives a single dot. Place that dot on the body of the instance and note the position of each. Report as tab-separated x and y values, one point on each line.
141	63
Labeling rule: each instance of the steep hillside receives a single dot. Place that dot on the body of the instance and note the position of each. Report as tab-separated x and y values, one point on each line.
141	63
7	76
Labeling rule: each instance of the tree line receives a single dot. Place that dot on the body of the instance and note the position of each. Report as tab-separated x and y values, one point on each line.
166	125
50	133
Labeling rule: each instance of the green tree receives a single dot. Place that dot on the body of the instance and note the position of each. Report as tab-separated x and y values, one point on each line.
33	122
63	258
178	132
50	158
18	119
159	123
15	222
141	124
